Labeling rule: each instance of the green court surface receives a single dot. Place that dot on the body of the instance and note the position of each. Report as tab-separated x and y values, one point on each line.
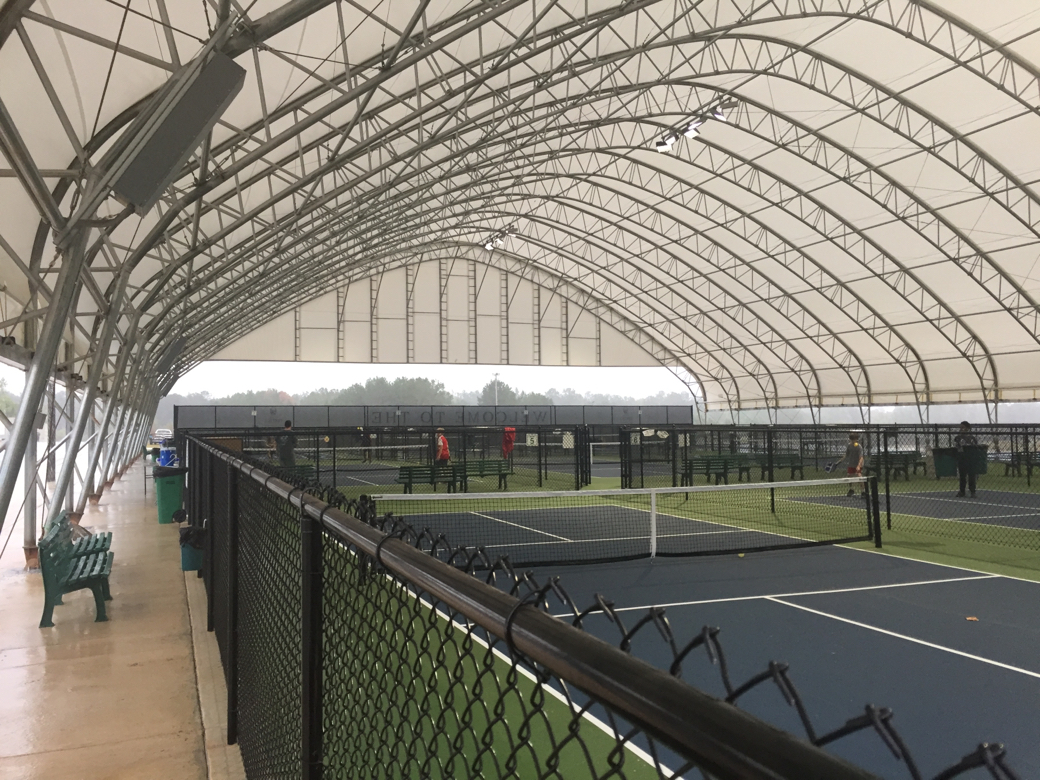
405	685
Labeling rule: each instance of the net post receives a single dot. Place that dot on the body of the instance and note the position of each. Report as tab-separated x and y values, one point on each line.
232	596
875	507
653	524
311	646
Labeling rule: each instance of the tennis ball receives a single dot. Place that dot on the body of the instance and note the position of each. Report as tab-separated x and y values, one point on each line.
740	555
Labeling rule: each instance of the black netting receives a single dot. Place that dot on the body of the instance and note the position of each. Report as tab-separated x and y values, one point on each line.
269	662
415	689
979	485
412	685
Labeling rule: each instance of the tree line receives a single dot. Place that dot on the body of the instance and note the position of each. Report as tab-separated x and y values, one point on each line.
407	391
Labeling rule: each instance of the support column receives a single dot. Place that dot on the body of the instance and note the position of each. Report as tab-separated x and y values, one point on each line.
71	449
43	360
29	534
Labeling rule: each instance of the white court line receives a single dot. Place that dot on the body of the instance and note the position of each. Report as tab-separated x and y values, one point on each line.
930	496
610	539
916	641
873	551
358	479
525	527
807	593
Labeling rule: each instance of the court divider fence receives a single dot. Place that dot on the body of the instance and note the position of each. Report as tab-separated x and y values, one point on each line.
918	467
350	649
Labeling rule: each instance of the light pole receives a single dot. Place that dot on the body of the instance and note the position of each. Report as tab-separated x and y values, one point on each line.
496	389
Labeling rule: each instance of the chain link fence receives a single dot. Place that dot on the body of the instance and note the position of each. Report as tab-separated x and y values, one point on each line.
980	484
359	646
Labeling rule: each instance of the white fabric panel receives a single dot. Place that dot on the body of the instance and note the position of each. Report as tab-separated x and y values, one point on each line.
392	341
318	346
619	350
357	342
489	339
427	338
274	341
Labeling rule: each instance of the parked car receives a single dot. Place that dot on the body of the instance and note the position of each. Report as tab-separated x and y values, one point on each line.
160	434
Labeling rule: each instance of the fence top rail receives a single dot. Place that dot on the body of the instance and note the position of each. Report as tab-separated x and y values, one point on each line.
703	728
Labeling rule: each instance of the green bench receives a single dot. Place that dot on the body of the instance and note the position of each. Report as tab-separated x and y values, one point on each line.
717	466
427	475
88	544
1030	460
782	461
903	463
482	468
65	571
455	475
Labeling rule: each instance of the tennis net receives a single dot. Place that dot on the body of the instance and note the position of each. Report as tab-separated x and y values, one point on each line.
593	526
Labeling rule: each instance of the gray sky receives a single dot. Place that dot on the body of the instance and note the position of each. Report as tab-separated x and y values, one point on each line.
221	378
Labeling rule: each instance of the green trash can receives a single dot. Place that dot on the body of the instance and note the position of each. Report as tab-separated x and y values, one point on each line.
946	460
169	491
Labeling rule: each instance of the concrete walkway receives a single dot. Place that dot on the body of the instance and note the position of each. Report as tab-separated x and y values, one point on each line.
103	700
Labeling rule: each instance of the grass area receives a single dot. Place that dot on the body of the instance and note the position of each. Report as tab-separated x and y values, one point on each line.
420	695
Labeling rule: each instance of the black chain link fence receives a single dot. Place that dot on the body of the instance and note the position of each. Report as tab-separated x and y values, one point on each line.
977	485
363	647
360	461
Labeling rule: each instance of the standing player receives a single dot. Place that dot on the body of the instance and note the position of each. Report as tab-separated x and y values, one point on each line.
853	459
285	444
442	457
965	469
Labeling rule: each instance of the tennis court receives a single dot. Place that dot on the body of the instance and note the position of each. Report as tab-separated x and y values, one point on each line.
951	651
606	525
990	507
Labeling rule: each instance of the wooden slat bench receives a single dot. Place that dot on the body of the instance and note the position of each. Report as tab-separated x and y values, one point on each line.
427	475
482	468
88	544
65	572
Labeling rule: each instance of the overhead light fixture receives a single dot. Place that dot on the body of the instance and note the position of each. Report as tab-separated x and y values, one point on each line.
489	246
692	130
665	143
719	114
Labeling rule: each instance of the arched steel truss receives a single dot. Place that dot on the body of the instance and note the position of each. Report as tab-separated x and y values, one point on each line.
542	115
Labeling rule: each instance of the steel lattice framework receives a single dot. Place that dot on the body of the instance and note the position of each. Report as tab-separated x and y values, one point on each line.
851	218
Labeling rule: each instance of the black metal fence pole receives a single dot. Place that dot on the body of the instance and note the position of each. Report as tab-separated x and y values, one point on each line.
232	604
769	464
875	510
888	487
211	466
311	626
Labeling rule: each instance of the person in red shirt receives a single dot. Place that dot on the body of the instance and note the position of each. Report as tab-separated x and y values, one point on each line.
443	454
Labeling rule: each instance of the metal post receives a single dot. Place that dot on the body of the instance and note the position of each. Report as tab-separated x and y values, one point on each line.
43	360
769	465
103	449
875	511
88	478
653	523
311	625
888	487
232	595
210	467
29	535
67	486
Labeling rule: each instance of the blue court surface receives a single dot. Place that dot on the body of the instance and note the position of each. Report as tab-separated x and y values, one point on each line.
857	628
990	507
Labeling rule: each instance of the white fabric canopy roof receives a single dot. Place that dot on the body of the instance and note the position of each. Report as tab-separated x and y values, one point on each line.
860	226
